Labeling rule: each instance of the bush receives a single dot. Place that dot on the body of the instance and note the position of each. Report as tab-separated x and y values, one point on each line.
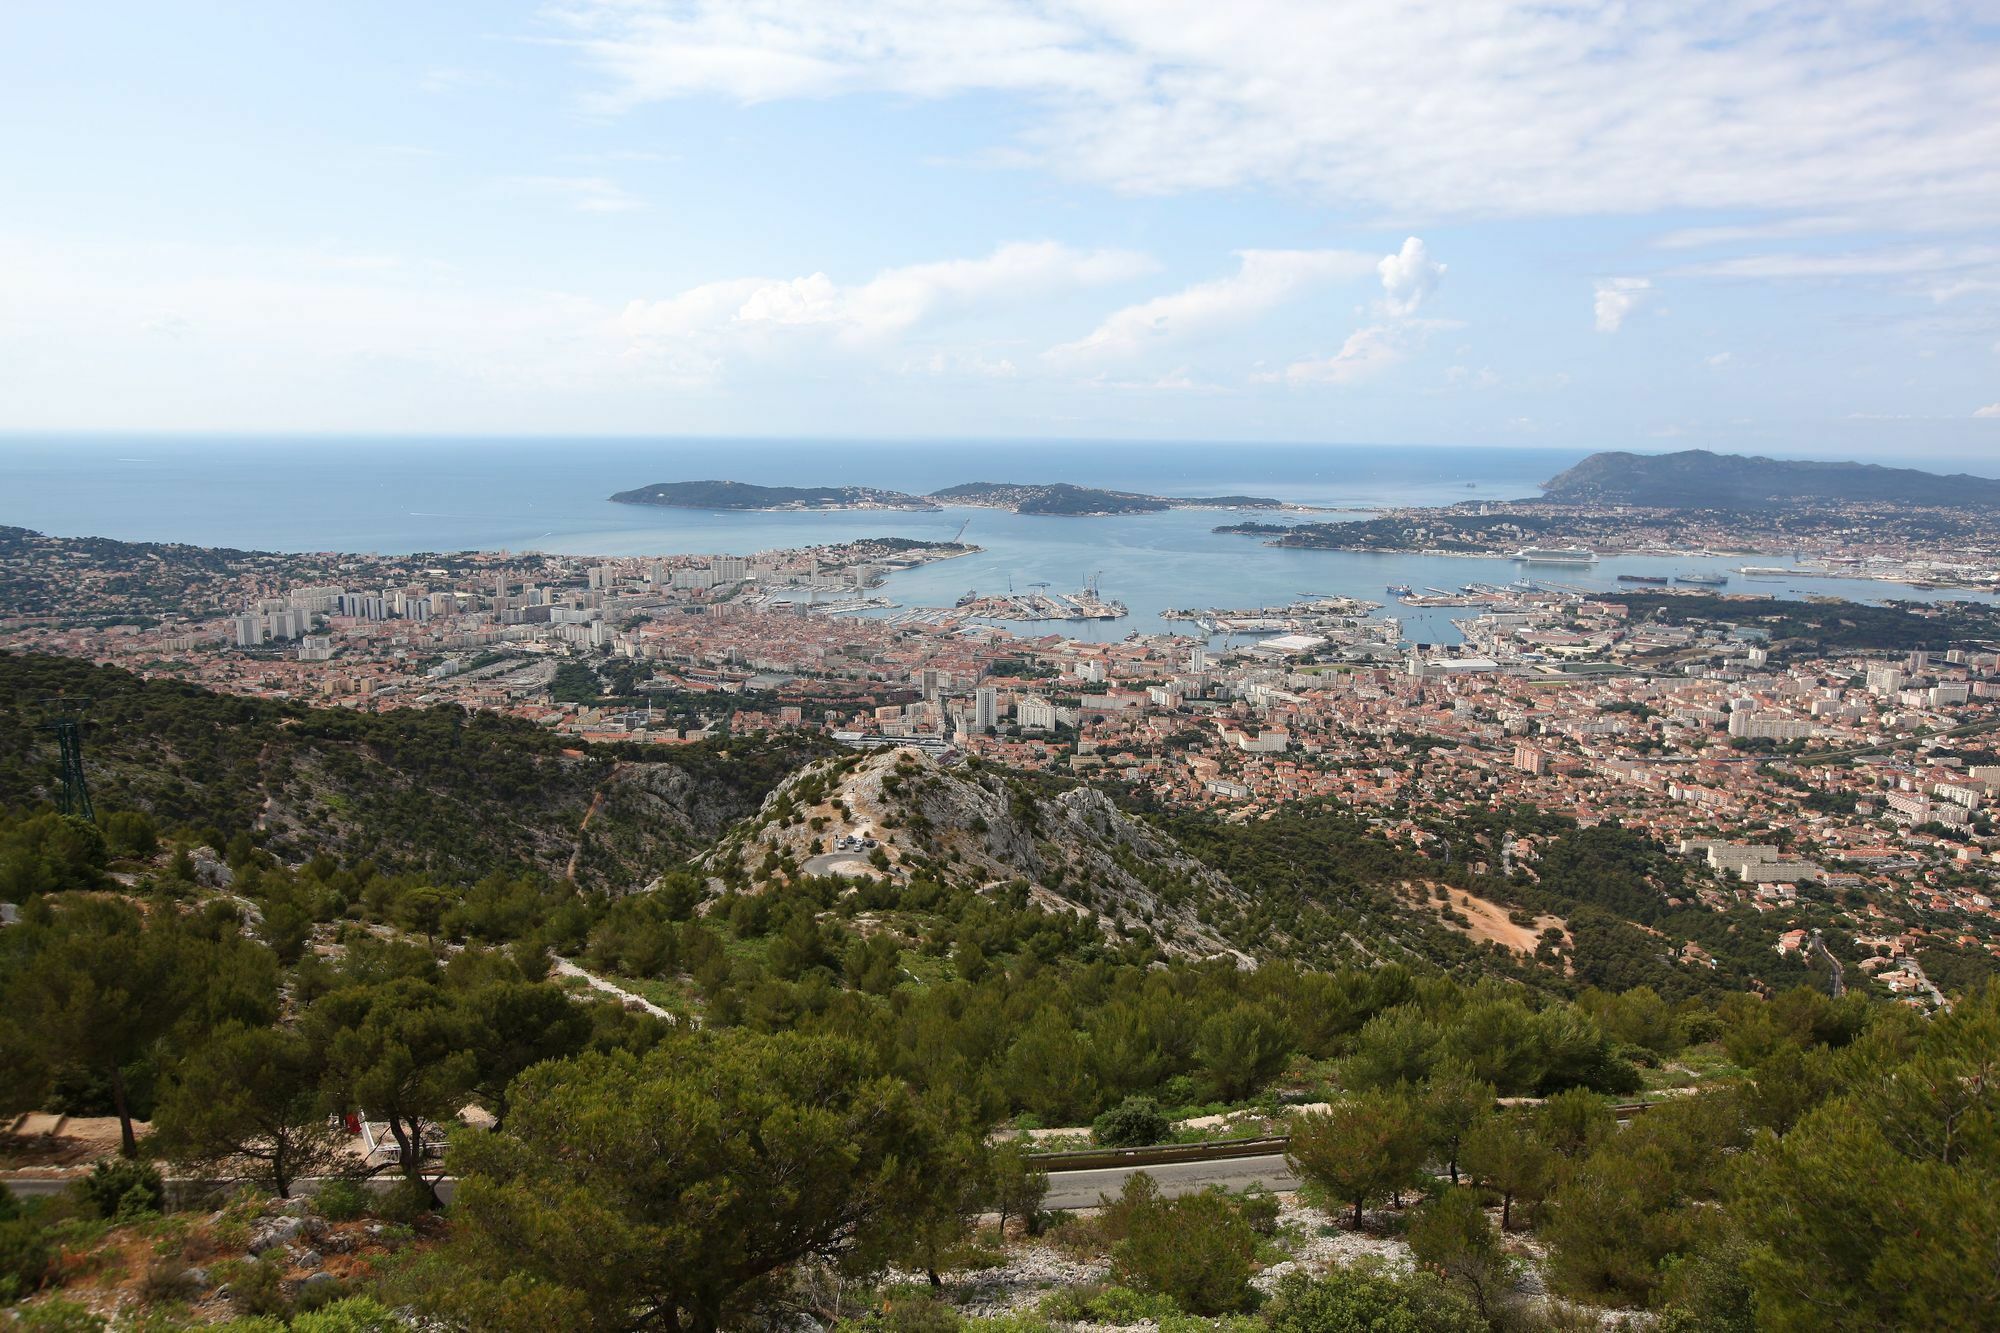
1133	1123
1369	1295
918	1314
120	1189
256	1286
405	1202
1096	1304
1196	1249
57	1317
341	1200
166	1281
1259	1208
25	1257
356	1314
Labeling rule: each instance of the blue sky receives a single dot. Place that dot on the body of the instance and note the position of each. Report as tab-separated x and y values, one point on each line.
1769	227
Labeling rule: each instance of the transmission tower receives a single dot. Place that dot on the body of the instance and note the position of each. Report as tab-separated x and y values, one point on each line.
69	741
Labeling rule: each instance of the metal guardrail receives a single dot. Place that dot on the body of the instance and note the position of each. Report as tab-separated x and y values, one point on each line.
1216	1150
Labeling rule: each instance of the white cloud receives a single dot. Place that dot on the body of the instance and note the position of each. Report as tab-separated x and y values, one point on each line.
1990	410
586	194
1366	353
1408	277
1617	298
1855	108
1888	263
1264	279
889	304
1718	360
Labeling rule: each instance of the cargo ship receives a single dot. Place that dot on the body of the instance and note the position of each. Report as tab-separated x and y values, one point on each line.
1399	590
1703	580
1642	578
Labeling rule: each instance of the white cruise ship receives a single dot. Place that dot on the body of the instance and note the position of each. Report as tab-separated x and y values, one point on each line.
1556	555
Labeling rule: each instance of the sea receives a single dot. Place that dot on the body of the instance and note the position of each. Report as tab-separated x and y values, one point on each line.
398	496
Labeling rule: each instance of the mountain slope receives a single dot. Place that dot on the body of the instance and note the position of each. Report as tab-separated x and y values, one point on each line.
1698	479
1075	849
434	791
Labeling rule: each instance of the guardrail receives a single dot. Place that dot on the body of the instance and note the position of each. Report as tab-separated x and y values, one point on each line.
1216	1150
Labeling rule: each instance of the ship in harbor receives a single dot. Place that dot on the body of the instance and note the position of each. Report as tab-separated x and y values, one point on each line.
1642	578
1556	555
1765	572
1703	580
1399	590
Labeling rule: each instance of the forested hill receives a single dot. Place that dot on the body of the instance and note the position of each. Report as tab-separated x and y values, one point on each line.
435	791
1699	479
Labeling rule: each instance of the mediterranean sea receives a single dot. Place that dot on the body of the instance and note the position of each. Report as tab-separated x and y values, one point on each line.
393	496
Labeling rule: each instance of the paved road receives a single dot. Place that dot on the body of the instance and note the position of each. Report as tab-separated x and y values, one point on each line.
853	865
1079	1189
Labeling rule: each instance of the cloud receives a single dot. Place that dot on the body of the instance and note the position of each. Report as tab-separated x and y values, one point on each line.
1264	280
887	305
1886	263
586	194
1618	297
1990	410
1368	352
1408	277
1854	108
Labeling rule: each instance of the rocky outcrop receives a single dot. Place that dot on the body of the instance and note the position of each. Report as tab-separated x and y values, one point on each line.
1075	849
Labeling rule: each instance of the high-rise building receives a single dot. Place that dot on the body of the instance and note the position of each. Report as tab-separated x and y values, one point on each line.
249	630
1198	658
1035	714
985	708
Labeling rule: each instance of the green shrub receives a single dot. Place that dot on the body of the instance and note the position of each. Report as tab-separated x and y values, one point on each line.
1370	1296
1260	1209
916	1313
341	1200
405	1202
355	1314
57	1317
120	1189
1133	1123
25	1257
1094	1303
1196	1249
256	1286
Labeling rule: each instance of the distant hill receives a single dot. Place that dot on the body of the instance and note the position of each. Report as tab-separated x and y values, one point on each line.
1059	497
745	495
1699	479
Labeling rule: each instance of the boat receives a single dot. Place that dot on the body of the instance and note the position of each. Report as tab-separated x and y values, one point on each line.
1556	555
1642	578
1398	590
1703	580
969	598
1765	572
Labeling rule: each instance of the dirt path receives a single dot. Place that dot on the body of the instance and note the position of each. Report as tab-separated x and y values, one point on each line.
596	803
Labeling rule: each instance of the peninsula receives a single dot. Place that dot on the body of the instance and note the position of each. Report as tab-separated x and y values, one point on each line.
746	495
1022	498
1699	479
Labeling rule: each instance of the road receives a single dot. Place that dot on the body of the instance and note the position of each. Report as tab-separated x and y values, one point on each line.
1079	1189
851	865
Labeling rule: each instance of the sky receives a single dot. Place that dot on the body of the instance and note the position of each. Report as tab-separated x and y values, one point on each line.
1753	225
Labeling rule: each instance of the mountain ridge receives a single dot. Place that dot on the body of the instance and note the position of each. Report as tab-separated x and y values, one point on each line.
1702	479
